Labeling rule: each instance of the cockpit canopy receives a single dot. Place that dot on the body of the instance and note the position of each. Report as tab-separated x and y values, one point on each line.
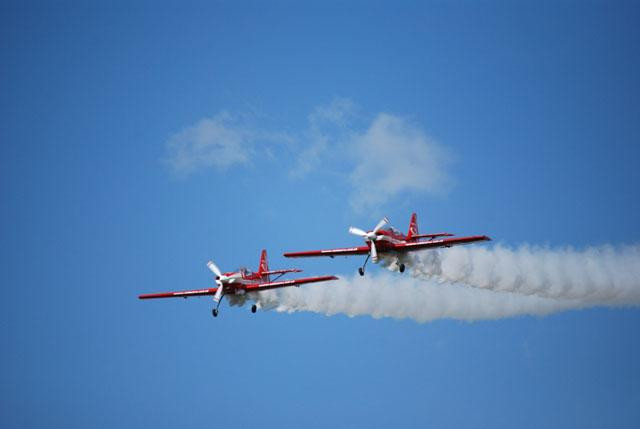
245	271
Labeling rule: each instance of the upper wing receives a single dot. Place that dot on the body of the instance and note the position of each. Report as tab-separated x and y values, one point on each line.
447	242
180	294
361	250
285	283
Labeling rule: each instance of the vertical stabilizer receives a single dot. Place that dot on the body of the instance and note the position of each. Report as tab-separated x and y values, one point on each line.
264	266
413	227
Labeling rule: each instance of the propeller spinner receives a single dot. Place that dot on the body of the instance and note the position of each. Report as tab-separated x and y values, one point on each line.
220	280
371	236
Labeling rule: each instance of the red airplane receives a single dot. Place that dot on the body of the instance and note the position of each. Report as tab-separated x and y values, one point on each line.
241	285
391	244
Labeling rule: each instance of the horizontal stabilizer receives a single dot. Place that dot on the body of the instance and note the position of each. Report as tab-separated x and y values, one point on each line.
289	270
437	234
285	283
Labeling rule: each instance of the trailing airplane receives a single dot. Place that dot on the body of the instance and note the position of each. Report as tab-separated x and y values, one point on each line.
390	244
242	285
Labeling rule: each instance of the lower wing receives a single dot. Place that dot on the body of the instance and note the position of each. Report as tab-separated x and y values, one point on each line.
361	250
447	242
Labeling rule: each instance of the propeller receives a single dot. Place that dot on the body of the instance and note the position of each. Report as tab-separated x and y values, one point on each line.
220	280
372	236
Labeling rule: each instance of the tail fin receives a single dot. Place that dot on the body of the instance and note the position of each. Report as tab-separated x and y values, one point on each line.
413	227
264	266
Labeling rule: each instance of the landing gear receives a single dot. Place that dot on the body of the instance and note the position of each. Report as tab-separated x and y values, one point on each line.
361	269
215	310
254	308
401	267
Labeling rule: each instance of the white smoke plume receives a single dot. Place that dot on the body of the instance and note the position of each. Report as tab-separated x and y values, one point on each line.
598	275
400	297
477	283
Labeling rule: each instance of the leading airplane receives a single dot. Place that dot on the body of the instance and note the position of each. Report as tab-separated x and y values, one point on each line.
242	285
390	244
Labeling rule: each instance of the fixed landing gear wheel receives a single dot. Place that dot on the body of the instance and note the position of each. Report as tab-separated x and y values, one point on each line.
214	312
401	268
361	271
254	308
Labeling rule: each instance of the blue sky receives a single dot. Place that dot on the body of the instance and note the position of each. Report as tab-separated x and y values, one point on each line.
530	108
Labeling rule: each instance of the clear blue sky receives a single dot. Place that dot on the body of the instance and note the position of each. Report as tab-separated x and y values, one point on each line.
536	104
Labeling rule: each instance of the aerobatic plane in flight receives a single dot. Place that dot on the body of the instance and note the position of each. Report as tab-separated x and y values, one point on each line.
242	285
390	244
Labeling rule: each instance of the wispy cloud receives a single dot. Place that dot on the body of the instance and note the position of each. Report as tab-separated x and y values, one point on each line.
327	128
219	142
386	157
380	158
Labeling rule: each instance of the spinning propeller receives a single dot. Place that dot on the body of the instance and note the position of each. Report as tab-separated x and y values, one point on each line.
220	280
372	236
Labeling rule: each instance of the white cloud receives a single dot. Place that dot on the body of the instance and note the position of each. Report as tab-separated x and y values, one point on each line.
327	125
379	160
395	156
220	142
216	142
339	114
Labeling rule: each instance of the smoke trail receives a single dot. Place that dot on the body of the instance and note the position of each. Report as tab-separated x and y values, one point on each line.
400	297
596	275
478	283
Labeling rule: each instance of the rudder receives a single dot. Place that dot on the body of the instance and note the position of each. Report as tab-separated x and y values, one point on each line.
413	226
264	266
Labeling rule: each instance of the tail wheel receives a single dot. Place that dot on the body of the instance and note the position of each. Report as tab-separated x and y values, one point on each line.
361	271
254	308
402	268
214	312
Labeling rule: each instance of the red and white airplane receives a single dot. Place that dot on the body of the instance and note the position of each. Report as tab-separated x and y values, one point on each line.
241	285
390	244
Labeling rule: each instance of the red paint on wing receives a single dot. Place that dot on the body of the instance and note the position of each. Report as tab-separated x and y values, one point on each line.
360	250
180	294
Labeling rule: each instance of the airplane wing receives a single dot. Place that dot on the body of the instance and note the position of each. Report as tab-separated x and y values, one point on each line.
360	250
180	294
249	287
286	283
447	242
